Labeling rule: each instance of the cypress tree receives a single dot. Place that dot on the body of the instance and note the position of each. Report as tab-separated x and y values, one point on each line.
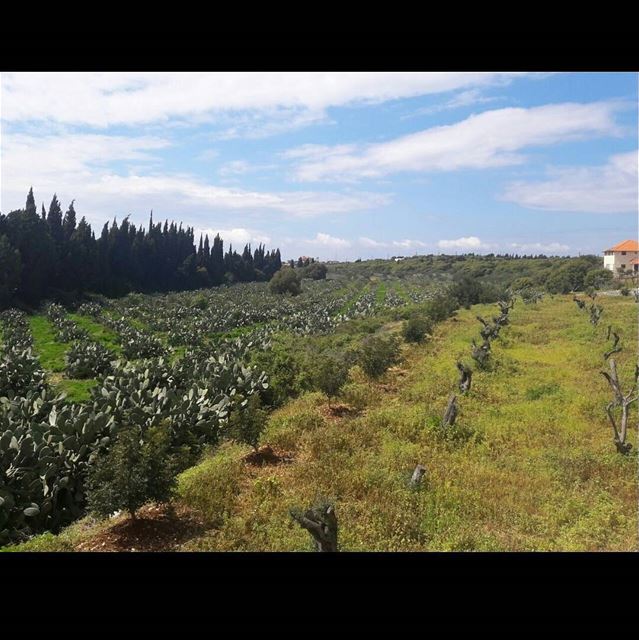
68	224
54	220
30	207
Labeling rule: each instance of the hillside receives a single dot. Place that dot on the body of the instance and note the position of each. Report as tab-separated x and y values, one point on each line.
529	465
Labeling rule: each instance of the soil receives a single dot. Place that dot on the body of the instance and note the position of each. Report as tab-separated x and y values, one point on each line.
337	411
156	528
265	455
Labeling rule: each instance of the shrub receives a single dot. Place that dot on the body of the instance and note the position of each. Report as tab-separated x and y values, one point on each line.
416	328
132	473
316	271
568	276
247	423
598	278
330	374
358	395
200	302
468	291
523	282
624	291
441	307
377	354
282	371
286	281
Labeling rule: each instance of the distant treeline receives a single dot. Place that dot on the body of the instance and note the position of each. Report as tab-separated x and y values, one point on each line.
49	254
554	274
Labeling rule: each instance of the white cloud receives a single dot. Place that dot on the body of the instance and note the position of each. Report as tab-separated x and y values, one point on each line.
401	244
373	244
470	242
325	240
490	139
79	167
609	188
461	99
409	244
238	237
110	99
235	168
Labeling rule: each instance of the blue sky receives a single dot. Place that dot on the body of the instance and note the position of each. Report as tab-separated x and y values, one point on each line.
335	165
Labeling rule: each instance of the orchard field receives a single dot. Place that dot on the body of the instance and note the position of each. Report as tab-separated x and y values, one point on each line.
263	406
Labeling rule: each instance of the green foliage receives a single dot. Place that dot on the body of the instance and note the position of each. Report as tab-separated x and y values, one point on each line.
283	370
456	434
137	469
441	307
468	291
569	276
377	354
62	258
525	282
44	452
286	281
315	271
200	302
598	278
331	374
10	271
416	328
246	423
87	359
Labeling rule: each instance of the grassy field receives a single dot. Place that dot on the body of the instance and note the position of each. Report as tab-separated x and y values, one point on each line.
529	465
52	354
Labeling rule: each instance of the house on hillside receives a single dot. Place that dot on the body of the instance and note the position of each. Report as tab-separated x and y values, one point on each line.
624	255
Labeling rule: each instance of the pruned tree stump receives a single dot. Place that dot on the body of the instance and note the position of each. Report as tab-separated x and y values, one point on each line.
466	377
321	523
418	476
615	347
619	401
450	415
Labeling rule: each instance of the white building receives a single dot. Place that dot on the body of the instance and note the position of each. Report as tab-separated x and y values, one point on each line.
624	255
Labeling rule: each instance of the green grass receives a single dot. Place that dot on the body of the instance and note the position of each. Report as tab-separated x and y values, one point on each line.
380	294
98	332
357	294
50	352
401	292
76	390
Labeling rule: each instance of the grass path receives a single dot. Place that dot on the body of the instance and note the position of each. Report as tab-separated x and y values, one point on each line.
98	332
52	354
358	292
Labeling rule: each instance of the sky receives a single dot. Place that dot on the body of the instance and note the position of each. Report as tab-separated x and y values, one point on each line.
338	166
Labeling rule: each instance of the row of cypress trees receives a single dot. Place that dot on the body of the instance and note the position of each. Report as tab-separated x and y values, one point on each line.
45	253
